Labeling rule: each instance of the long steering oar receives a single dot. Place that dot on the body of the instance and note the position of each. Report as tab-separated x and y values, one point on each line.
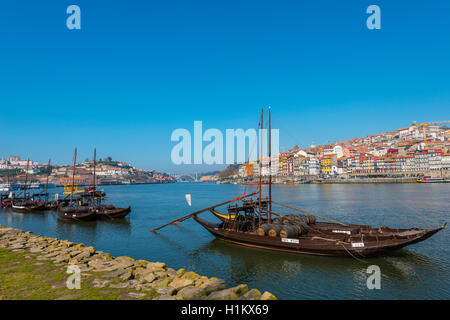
200	211
294	208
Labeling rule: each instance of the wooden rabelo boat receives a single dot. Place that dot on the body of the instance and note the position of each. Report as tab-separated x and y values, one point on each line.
112	212
50	205
27	203
253	223
105	211
76	209
88	203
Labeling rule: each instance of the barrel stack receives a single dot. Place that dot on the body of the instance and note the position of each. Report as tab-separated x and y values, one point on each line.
288	226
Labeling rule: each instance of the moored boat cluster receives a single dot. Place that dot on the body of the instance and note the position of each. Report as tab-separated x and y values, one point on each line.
76	205
141	279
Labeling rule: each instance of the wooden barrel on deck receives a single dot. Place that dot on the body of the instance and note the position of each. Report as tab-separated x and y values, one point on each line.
276	220
302	228
302	218
274	230
311	219
287	220
288	231
307	219
263	229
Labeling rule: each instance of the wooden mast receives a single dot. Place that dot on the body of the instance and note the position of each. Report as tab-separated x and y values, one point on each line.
270	172
73	176
46	183
26	180
94	191
7	172
95	164
260	169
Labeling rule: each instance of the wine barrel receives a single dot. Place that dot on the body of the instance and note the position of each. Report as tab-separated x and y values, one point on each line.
274	230
74	209
303	219
263	229
307	219
286	220
311	219
276	220
288	231
289	218
302	228
298	218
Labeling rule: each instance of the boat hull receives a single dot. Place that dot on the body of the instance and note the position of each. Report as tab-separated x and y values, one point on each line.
114	213
75	214
28	208
313	245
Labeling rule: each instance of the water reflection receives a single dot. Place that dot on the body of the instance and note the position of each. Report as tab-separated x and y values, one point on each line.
419	271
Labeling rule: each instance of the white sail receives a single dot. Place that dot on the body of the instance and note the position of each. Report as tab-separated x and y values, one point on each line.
189	199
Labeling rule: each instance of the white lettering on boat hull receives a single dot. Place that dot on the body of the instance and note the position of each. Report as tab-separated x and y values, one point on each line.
289	240
357	244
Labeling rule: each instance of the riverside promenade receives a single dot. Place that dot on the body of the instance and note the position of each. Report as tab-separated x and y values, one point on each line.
36	267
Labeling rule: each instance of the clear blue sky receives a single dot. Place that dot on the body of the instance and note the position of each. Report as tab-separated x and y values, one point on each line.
137	70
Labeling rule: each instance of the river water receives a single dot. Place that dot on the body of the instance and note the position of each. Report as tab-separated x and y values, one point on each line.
420	271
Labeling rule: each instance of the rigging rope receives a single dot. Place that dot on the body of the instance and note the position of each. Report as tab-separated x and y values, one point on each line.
353	255
294	208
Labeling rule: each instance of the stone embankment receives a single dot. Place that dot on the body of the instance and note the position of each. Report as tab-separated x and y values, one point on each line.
35	267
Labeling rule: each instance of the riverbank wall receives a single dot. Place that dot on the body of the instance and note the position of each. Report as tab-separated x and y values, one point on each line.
287	180
365	180
38	267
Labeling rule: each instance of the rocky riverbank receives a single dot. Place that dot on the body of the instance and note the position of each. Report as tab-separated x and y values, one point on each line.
36	267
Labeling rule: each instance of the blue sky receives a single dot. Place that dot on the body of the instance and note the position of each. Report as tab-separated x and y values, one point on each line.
137	70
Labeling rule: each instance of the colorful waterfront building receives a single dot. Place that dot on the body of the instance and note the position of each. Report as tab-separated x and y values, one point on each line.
325	165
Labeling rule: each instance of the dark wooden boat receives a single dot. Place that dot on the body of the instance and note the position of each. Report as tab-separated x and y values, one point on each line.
104	211
112	212
327	240
253	223
27	203
77	213
75	208
25	206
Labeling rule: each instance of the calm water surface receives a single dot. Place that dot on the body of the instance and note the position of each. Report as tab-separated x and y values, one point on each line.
420	271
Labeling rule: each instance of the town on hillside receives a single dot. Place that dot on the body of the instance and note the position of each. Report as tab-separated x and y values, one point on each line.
419	150
107	172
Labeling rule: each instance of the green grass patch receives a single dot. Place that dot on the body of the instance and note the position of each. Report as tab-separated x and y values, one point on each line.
23	277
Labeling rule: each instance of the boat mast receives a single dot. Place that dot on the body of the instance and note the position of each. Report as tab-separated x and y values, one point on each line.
95	163
73	176
46	183
7	173
26	180
270	172
260	169
95	159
